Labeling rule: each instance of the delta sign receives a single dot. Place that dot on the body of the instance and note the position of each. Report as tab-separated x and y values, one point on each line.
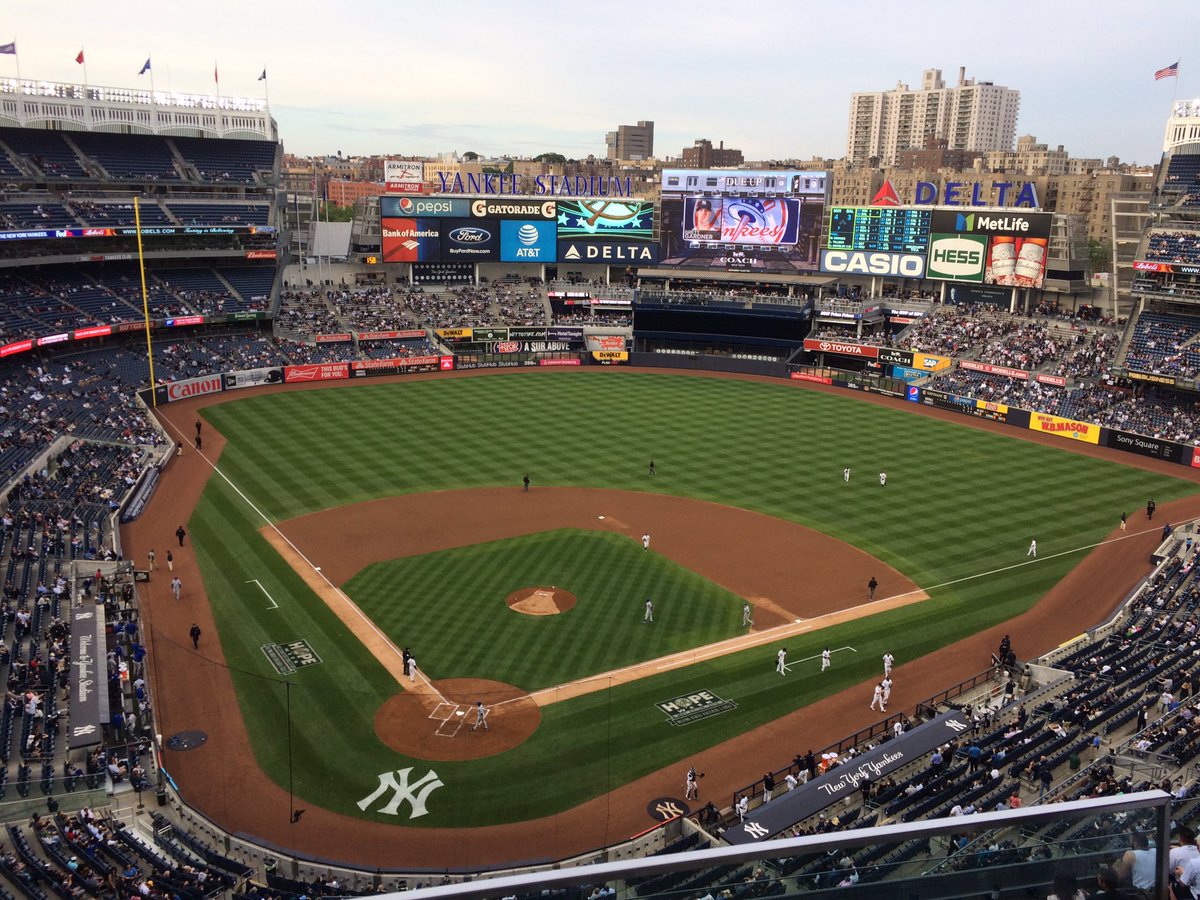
961	193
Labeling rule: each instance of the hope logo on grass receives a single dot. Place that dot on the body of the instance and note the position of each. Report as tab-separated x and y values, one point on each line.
414	794
694	707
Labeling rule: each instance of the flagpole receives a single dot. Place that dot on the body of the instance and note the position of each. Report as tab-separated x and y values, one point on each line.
17	59
137	224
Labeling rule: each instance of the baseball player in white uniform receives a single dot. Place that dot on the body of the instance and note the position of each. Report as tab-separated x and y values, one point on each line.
877	699
888	659
646	541
746	620
781	661
649	615
481	714
825	659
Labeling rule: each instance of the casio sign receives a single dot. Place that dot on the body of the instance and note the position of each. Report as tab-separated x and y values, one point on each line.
905	265
956	256
470	235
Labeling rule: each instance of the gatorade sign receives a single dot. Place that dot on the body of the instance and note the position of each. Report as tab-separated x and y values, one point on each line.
957	257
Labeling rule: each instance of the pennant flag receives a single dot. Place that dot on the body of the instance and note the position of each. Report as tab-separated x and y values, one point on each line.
9	49
146	67
263	76
79	58
1171	71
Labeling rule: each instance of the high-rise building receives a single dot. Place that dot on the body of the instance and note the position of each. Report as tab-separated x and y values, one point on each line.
971	115
631	141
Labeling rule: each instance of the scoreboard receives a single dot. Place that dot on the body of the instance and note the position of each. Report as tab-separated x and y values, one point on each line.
882	229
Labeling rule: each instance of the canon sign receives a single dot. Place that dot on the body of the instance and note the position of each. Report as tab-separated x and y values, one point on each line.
193	387
903	265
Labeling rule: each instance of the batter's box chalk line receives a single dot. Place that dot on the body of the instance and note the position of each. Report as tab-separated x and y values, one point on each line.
451	725
444	711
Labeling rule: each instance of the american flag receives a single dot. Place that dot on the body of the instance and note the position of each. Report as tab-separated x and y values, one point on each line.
1171	71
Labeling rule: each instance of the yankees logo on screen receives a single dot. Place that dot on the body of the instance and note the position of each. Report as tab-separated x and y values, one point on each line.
754	220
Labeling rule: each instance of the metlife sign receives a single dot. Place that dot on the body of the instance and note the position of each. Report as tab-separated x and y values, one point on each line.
607	252
957	257
433	207
988	222
853	262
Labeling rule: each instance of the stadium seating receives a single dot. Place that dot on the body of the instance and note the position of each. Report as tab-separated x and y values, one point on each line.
47	151
129	156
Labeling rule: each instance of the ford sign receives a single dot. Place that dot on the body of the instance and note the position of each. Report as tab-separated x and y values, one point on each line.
470	235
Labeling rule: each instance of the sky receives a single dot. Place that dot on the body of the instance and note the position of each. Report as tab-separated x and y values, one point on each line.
522	77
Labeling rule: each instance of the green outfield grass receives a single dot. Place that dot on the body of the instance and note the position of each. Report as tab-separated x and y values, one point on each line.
458	596
959	501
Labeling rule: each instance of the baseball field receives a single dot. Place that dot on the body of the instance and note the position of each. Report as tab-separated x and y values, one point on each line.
339	526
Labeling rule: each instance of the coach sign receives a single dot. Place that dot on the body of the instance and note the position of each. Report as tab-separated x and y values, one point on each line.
841	781
89	678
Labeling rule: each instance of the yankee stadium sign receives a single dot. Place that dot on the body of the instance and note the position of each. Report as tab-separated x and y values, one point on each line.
536	185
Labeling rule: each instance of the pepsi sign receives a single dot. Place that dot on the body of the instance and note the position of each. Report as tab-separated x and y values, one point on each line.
471	239
410	207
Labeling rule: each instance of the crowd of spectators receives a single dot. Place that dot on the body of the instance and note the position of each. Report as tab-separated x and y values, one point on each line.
1164	343
1173	247
307	312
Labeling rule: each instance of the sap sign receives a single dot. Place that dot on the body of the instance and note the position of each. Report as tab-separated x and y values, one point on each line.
959	193
957	257
527	241
845	262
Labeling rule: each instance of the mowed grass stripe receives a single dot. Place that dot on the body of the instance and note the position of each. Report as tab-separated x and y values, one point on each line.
958	502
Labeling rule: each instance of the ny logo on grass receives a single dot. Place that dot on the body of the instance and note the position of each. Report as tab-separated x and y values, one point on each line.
416	793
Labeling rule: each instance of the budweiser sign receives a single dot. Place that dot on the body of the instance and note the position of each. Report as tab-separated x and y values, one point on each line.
322	372
194	387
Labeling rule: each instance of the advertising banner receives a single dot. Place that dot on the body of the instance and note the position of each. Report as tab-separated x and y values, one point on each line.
514	209
605	220
1016	262
808	376
424	207
399	366
1154	378
1011	222
403	176
561	361
1168	268
531	333
179	321
907	373
817	345
410	240
971	366
253	377
893	357
89	677
477	240
533	241
571	333
319	372
410	334
930	362
443	273
608	357
857	262
1146	446
607	252
957	257
193	387
455	334
333	338
845	780
606	342
1068	428
1056	380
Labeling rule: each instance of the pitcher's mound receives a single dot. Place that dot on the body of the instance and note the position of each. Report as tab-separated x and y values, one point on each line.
540	601
424	727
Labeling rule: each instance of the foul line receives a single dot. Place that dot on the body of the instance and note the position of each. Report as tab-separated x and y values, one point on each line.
316	569
273	605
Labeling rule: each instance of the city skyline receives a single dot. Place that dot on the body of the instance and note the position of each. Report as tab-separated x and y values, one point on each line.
531	77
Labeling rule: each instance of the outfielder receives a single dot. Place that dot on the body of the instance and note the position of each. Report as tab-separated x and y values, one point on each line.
846	474
1032	548
825	659
692	789
649	616
886	684
882	479
877	699
746	620
781	661
646	541
888	659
